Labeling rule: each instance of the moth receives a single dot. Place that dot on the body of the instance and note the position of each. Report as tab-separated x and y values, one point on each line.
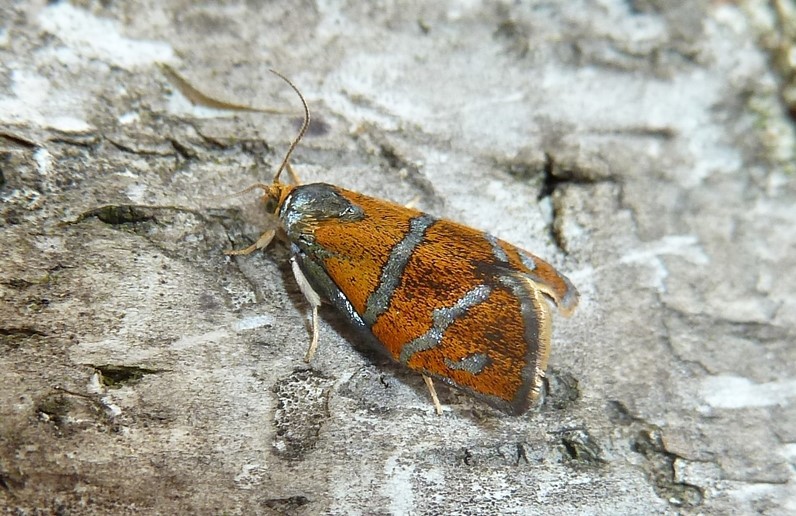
453	303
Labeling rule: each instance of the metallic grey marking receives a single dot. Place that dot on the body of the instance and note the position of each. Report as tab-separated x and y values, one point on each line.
527	260
531	371
284	207
474	363
393	270
442	318
498	251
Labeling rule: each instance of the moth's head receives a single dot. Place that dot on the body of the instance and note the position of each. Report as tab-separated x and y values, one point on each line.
274	196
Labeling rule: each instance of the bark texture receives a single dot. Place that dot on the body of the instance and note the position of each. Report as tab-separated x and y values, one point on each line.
643	147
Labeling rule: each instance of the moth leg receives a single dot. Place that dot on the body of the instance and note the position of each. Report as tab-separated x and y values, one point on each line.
314	342
412	202
313	299
433	392
261	242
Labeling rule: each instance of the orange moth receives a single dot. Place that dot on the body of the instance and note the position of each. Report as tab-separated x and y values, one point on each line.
453	303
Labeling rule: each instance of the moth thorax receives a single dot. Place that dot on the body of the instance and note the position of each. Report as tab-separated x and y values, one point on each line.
318	203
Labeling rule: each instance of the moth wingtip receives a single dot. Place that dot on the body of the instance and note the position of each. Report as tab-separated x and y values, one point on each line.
568	303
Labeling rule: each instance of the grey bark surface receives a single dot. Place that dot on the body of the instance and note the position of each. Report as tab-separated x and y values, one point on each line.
641	147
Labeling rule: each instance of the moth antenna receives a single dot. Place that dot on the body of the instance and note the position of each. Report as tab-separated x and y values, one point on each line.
304	126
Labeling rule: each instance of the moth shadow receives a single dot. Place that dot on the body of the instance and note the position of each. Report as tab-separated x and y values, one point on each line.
456	401
364	343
